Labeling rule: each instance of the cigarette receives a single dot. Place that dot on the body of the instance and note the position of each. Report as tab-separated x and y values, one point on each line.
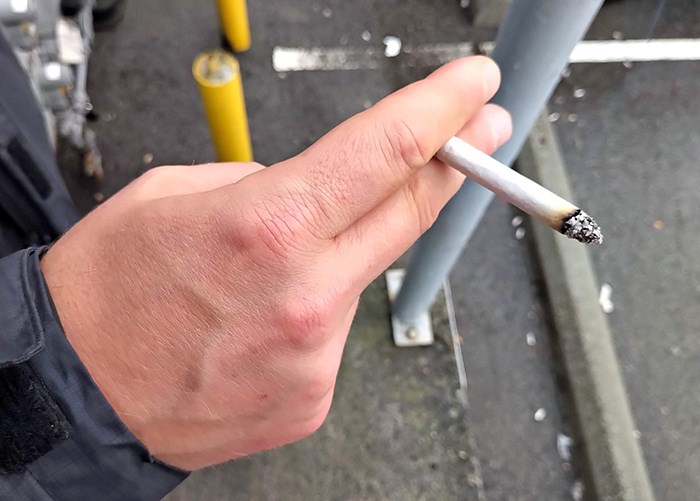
516	189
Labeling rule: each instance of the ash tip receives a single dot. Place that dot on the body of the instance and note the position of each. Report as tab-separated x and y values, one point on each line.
583	228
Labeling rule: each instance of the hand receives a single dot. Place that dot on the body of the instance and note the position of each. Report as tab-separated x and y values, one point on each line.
211	304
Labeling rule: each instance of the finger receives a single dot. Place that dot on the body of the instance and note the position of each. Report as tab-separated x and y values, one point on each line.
412	209
186	179
208	177
354	167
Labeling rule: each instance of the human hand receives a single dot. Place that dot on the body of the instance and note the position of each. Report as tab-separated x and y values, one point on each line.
211	304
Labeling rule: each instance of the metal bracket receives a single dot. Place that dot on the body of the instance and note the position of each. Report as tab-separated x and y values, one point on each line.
405	336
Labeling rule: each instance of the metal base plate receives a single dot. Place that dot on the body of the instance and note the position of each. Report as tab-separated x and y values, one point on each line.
419	334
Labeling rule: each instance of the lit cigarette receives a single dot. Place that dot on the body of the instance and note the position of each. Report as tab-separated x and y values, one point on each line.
516	189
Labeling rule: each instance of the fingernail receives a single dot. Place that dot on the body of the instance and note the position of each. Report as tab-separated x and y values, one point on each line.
504	127
501	125
492	76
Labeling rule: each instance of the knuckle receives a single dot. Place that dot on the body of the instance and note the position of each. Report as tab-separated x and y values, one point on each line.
152	181
153	175
319	387
267	225
315	422
311	203
403	147
305	322
283	222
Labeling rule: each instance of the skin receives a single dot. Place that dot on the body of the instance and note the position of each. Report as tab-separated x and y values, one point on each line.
211	303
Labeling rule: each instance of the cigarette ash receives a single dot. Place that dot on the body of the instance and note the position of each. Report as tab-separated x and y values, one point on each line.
581	227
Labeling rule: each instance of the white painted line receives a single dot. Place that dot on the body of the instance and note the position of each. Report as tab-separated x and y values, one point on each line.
440	53
456	339
319	59
621	51
285	59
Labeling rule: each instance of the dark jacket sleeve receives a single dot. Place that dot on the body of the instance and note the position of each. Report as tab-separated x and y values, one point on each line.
84	451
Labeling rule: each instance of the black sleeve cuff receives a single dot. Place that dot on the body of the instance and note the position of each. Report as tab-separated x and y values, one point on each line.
101	458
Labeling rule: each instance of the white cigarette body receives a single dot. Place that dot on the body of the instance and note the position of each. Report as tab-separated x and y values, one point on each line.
515	188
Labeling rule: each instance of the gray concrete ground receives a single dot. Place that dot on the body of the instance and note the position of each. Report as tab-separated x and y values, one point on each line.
631	149
631	153
632	157
497	302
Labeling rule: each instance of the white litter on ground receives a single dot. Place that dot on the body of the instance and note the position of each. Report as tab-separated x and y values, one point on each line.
520	233
366	36
517	221
564	444
577	491
530	339
540	414
392	46
605	298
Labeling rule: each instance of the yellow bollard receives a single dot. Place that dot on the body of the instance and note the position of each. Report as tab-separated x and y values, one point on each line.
234	23
219	78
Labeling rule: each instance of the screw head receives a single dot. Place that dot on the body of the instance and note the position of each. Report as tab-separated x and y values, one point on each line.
412	333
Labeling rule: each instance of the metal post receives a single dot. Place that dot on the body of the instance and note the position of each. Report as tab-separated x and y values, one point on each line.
532	48
218	75
235	24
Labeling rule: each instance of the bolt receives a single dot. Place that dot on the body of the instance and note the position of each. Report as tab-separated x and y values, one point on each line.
412	333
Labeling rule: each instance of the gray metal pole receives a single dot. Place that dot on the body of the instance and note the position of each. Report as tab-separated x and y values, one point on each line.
533	47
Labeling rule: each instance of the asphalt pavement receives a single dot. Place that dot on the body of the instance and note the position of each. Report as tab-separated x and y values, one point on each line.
632	157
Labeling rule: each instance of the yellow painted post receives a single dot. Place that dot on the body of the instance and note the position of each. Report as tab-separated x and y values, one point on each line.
234	23
219	78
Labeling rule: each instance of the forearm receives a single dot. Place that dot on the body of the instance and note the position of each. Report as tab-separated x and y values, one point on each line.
83	450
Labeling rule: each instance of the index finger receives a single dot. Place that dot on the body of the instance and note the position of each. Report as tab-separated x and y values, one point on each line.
364	160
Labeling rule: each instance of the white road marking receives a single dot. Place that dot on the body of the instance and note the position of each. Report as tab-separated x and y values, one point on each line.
620	51
285	59
456	338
